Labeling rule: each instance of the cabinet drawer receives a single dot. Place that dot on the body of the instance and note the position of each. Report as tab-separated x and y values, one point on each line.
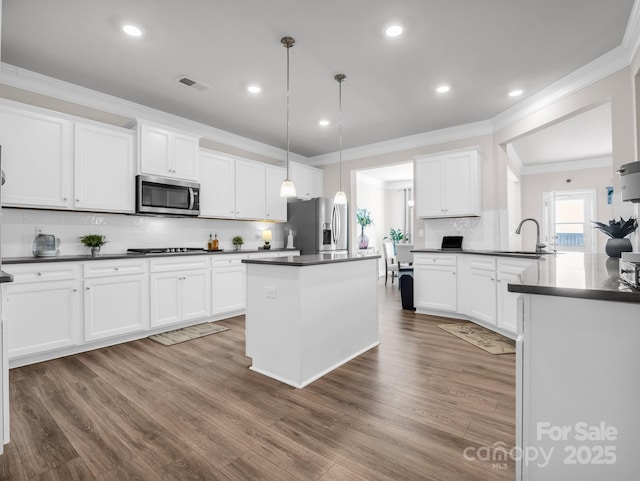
483	263
114	268
434	260
234	261
56	271
180	264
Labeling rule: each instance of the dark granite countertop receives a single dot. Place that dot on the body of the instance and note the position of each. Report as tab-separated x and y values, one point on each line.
309	260
5	277
520	254
105	257
585	276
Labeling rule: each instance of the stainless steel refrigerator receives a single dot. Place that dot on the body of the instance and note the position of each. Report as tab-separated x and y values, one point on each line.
318	225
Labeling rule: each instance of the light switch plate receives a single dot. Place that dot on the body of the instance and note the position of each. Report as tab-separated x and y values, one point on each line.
271	292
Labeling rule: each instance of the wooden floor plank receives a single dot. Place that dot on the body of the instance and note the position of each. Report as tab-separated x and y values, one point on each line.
405	410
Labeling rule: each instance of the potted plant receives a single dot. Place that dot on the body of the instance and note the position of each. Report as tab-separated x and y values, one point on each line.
395	235
617	232
363	216
237	241
95	242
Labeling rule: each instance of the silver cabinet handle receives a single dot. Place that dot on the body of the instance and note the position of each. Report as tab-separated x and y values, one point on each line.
39	273
75	290
116	268
87	288
64	198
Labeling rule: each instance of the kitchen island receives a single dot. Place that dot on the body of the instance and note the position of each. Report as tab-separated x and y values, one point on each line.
307	315
578	386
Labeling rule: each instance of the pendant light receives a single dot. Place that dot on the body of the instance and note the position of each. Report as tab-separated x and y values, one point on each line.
340	197
287	189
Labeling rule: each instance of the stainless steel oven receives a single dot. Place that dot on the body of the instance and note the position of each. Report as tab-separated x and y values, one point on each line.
163	196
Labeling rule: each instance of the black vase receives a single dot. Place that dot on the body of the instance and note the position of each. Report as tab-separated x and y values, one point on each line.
615	247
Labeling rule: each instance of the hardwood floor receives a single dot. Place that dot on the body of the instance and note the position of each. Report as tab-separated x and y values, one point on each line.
405	410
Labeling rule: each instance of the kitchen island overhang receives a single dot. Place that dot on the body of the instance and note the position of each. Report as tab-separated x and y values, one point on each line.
307	315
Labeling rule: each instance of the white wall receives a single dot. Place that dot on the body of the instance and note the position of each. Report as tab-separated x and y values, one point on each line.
125	231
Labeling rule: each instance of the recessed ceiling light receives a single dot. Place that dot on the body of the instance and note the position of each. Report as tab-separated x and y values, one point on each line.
443	89
323	123
393	30
254	89
516	93
132	30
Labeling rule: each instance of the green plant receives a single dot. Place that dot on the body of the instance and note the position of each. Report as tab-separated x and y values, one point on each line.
363	216
617	229
94	240
395	235
237	240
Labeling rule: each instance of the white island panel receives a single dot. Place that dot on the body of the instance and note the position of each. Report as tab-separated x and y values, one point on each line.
322	316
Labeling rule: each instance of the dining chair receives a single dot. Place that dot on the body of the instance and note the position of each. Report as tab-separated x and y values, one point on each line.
390	263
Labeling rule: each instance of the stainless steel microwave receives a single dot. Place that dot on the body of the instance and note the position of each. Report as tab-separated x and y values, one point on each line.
163	196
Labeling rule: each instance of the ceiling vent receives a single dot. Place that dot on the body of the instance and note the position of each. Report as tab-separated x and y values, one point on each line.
189	82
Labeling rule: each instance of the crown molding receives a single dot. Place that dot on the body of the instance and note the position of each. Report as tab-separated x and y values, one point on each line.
605	65
569	165
631	39
450	134
34	82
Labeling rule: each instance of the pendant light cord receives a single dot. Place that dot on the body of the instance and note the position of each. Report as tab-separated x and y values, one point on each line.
340	78
288	42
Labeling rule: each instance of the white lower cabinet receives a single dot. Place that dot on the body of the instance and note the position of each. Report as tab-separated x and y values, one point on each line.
435	282
44	308
228	283
482	289
180	290
509	270
116	297
479	293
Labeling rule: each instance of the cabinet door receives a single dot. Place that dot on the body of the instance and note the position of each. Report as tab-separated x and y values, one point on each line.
165	298
308	181
155	150
37	159
186	161
483	295
435	287
228	287
276	206
428	186
509	271
217	185
115	305
461	184
250	190
43	316
196	294
104	169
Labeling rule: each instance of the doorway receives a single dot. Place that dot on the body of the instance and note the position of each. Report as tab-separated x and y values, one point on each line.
566	220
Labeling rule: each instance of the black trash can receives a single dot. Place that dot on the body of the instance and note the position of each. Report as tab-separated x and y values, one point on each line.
405	281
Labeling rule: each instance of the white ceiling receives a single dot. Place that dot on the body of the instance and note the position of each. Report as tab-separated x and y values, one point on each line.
483	49
583	136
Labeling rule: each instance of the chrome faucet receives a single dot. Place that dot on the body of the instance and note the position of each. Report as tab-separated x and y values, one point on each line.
539	246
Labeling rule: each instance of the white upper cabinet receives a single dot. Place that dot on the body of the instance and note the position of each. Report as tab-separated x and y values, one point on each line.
36	157
308	180
448	184
275	206
104	169
250	189
217	185
167	153
237	188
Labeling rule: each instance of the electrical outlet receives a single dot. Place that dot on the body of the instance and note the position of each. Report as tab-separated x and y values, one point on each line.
271	292
421	233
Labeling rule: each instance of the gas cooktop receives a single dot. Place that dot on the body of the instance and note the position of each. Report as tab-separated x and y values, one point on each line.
165	250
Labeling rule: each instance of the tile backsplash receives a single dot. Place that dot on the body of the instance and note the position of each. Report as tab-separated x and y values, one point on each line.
125	231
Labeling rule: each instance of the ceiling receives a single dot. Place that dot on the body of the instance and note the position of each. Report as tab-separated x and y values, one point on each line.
482	49
583	136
